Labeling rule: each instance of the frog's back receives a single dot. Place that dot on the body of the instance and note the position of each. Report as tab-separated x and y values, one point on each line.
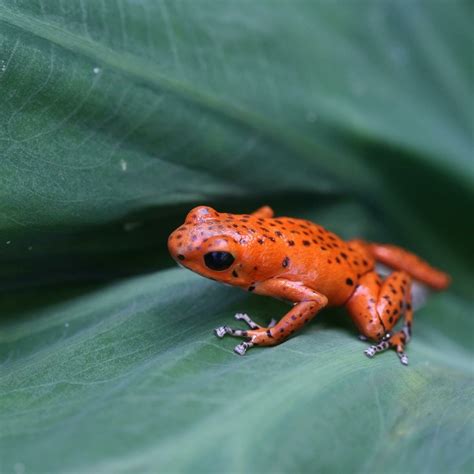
312	254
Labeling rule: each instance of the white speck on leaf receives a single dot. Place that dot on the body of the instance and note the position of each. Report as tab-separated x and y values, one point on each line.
8	242
96	70
123	165
66	325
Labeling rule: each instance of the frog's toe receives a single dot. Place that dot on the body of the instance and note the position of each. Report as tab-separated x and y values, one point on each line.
246	318
380	347
403	358
370	351
242	348
221	331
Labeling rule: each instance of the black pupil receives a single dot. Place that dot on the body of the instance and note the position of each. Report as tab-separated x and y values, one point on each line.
218	260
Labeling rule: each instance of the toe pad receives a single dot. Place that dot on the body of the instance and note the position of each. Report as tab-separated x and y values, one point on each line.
369	352
220	331
241	348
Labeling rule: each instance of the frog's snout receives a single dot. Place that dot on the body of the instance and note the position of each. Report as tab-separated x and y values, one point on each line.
183	244
175	247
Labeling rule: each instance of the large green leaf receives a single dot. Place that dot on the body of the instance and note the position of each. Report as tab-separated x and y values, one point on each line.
116	118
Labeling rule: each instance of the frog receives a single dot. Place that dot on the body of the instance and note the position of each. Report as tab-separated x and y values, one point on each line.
308	266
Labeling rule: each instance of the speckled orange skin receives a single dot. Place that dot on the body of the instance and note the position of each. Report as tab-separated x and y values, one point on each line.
299	261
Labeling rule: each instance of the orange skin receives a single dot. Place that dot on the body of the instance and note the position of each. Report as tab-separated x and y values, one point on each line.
307	265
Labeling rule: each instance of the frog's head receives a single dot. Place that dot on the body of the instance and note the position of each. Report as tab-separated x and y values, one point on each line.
209	243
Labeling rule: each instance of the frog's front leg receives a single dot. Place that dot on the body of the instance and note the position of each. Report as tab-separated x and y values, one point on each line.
307	303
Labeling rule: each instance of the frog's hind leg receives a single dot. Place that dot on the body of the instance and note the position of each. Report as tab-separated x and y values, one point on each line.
395	300
403	260
376	306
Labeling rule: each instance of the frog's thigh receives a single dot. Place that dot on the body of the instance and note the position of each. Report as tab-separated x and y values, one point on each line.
394	299
375	308
362	306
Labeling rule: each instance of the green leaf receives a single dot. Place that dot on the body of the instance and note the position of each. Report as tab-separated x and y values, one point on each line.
117	117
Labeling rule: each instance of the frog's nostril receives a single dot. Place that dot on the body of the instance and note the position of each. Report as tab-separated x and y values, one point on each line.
180	256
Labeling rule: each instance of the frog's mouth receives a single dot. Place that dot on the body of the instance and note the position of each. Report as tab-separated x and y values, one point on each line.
187	267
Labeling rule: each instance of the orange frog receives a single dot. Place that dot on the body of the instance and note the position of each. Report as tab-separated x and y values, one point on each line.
307	265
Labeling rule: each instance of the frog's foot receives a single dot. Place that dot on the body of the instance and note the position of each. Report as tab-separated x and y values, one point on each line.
241	348
397	341
221	331
380	347
403	358
256	337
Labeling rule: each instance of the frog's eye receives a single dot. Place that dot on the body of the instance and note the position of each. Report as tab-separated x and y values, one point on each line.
218	260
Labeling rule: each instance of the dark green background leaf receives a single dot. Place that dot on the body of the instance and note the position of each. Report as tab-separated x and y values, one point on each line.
116	118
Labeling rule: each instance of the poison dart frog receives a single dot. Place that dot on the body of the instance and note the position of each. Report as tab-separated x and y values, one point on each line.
303	263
